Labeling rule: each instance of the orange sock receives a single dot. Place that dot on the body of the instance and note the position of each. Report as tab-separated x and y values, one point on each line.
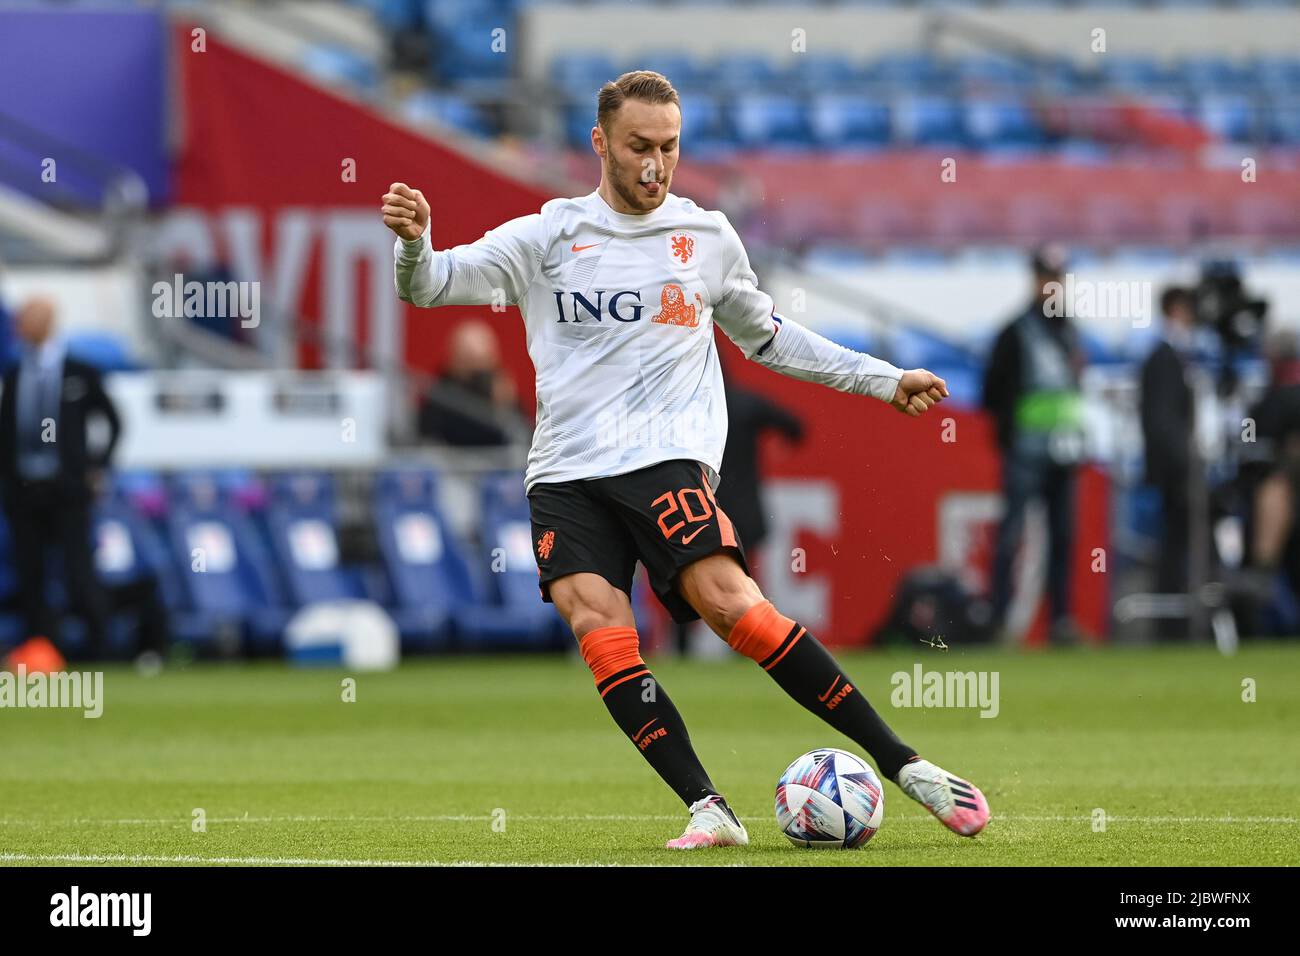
614	656
650	720
764	634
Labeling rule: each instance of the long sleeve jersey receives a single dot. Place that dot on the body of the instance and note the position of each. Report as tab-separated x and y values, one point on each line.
619	311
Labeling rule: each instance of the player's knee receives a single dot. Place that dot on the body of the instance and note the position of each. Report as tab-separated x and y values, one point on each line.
587	605
725	600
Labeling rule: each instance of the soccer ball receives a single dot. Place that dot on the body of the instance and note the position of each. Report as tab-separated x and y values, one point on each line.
829	799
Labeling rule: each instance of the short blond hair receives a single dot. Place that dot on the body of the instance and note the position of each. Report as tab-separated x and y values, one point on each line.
644	85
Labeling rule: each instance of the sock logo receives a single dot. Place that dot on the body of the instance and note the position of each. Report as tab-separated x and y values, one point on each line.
843	692
645	741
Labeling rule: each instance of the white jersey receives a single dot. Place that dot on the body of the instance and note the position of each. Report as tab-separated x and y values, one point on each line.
619	312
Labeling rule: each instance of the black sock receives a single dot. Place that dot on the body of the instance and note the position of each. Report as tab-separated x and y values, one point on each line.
641	707
810	675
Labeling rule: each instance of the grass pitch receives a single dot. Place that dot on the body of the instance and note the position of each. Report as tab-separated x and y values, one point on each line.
514	760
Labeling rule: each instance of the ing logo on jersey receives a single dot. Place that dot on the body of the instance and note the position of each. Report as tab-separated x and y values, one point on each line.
673	309
681	246
545	544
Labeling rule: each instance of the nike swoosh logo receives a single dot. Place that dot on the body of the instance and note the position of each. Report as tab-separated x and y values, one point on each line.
823	697
688	538
577	248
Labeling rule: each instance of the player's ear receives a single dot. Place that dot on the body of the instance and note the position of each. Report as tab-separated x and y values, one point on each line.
598	140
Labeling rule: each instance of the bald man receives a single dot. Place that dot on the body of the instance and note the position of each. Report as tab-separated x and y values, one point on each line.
473	402
47	472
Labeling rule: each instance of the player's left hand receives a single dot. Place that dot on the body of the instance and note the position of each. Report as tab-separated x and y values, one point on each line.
917	391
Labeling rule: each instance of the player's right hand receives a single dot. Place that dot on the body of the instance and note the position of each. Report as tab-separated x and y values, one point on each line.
405	211
917	391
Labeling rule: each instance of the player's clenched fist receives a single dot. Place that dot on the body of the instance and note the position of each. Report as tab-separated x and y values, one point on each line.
405	211
917	391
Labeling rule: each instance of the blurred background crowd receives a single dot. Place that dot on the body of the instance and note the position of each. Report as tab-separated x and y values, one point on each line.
218	420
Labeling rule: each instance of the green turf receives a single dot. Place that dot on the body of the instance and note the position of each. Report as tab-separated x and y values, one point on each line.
414	770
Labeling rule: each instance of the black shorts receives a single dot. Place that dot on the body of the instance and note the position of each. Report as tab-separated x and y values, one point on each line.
665	515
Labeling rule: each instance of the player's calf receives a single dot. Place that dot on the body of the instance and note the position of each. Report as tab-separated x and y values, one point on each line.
643	710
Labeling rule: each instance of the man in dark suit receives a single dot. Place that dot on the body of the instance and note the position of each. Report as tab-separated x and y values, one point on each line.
1167	422
49	474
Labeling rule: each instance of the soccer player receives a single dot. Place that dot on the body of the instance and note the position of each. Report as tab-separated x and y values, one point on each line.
619	291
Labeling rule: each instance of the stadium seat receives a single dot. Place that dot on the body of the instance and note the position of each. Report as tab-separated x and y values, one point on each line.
304	539
748	73
914	73
1136	73
998	122
427	106
704	127
104	350
428	575
840	120
771	121
230	582
580	75
991	72
333	64
821	74
929	121
1231	118
1278	75
688	74
1212	74
510	613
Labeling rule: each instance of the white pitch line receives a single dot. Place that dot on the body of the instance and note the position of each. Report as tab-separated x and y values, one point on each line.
617	818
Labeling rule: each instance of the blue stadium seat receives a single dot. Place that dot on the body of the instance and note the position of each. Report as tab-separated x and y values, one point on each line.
1278	75
689	74
840	120
465	53
510	613
397	14
304	539
427	573
911	73
770	121
447	109
229	579
1230	117
1286	123
580	75
578	121
929	121
104	350
985	72
1215	74
1136	73
749	73
996	122
815	74
333	64
704	127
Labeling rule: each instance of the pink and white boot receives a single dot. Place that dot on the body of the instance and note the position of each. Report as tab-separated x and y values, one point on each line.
712	824
959	805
